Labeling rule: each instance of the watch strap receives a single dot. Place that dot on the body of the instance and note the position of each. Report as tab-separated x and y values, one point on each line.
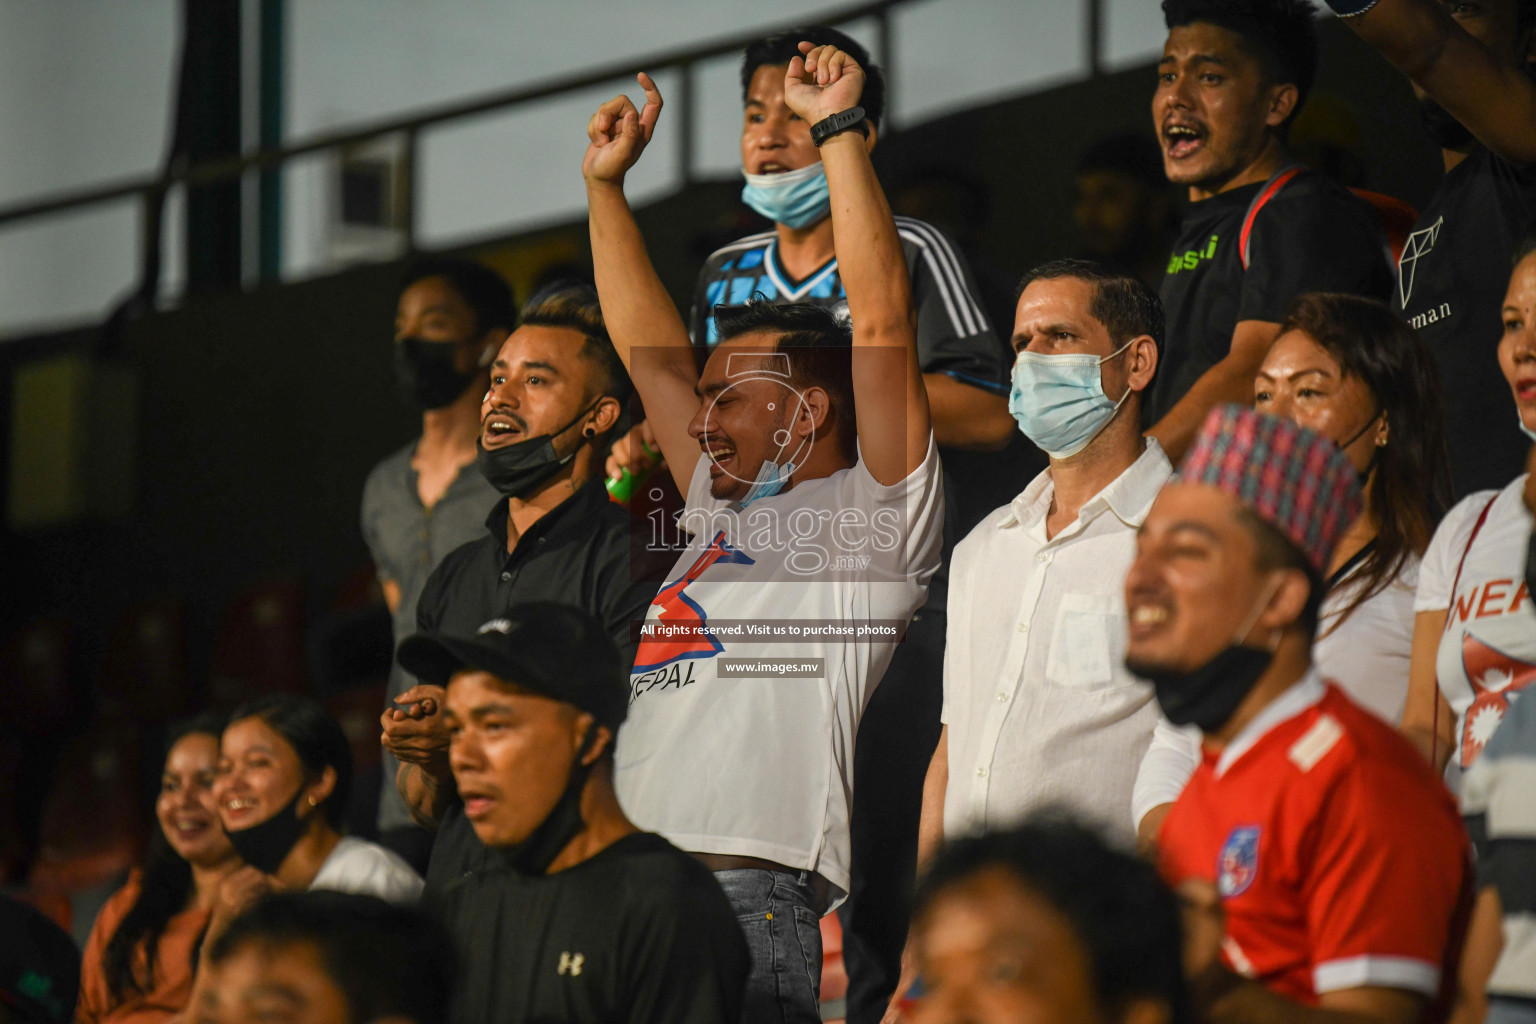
841	121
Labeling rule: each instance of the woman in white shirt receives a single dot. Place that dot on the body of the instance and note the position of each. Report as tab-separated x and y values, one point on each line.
1474	646
285	771
1350	369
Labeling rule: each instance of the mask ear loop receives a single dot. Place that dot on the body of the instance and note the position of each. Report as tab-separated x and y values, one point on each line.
1253	617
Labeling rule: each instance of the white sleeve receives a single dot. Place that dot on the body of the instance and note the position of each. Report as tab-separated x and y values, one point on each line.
907	517
1165	768
1437	573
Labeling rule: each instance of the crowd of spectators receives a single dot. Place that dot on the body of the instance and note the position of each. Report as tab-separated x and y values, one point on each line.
1219	719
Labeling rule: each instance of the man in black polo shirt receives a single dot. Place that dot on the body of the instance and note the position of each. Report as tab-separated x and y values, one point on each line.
1233	77
1471	67
557	390
577	915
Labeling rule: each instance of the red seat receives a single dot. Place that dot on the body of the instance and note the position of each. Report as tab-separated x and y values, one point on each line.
260	644
35	667
94	816
145	669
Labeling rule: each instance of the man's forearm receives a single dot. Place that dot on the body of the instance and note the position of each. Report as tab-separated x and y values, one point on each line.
1494	101
967	417
930	826
636	307
639	313
426	795
1248	1002
870	260
894	426
1230	380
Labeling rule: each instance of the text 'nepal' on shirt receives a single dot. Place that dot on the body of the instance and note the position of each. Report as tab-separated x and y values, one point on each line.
1338	855
1037	700
641	932
407	541
759	655
1312	236
1450	287
954	335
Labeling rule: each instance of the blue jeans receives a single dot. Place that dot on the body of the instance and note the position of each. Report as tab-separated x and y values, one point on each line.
776	912
1510	1011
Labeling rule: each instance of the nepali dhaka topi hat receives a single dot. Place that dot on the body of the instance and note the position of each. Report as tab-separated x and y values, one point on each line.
1295	479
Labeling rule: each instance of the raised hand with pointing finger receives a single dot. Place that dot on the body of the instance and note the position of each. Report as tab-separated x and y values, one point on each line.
619	134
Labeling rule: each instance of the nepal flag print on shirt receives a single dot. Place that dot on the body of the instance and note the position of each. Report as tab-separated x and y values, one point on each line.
687	634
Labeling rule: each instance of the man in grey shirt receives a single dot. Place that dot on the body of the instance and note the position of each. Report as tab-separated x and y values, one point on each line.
428	498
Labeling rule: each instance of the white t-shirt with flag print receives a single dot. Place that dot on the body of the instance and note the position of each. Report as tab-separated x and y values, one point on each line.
723	754
1487	653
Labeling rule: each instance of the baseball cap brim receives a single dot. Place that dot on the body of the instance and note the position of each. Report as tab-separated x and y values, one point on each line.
434	658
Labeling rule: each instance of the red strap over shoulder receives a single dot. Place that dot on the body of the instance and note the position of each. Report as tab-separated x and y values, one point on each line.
1268	192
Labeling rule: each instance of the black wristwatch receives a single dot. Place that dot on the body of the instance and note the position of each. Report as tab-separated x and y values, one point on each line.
841	121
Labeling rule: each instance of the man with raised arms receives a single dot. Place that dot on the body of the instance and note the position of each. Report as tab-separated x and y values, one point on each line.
739	747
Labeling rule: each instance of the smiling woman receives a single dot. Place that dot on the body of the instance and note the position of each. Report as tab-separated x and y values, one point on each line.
285	773
138	962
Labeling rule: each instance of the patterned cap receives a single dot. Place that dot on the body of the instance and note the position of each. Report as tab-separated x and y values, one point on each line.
1292	478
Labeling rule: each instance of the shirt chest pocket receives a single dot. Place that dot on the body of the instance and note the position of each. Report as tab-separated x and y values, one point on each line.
1087	642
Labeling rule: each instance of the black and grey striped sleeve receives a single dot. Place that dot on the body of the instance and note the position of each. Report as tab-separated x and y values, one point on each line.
954	336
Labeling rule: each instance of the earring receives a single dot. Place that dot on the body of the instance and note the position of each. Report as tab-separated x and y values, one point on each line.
311	801
1381	442
589	432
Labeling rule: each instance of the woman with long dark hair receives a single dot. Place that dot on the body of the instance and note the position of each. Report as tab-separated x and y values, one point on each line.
285	772
1353	371
139	961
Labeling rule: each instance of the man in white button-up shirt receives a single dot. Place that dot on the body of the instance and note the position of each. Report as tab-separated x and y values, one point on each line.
1038	706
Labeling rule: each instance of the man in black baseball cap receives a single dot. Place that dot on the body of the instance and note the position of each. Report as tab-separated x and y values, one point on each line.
577	915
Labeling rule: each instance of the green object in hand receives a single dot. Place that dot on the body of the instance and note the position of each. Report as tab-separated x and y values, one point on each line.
623	489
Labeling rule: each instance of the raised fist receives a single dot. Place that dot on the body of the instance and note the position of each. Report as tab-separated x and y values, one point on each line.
822	82
619	134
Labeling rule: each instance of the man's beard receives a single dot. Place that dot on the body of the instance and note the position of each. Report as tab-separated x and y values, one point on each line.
1442	128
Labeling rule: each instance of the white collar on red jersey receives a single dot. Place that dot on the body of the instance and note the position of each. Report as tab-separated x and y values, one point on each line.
1300	696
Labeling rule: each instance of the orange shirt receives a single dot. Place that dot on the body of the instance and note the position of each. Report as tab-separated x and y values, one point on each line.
172	986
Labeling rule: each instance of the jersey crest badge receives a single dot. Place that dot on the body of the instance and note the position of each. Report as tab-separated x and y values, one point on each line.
1238	862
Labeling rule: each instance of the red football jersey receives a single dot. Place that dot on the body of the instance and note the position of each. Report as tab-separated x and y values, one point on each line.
1340	858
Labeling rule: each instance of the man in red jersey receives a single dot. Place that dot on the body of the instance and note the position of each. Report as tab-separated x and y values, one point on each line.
1323	865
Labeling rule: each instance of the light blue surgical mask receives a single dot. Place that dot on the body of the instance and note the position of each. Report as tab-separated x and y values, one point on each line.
771	479
1059	400
792	198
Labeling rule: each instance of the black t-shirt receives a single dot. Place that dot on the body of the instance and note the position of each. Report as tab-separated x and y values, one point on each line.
1311	236
1450	288
641	932
586	552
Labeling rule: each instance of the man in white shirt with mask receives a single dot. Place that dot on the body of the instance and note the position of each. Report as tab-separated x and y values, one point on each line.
1038	706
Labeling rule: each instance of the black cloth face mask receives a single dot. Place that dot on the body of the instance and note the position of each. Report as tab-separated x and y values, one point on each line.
518	469
265	845
534	855
427	374
1209	696
1365	474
